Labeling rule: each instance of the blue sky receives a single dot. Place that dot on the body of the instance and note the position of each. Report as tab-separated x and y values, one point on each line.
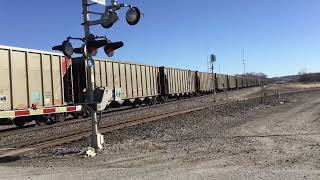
280	36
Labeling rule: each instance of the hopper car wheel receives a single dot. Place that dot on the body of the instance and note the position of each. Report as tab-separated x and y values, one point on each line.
40	121
152	102
60	117
19	122
85	114
76	115
136	105
45	119
162	99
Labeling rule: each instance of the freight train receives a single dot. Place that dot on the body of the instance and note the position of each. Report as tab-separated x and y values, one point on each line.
45	86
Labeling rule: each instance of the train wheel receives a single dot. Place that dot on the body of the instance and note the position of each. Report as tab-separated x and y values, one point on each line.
151	102
162	100
76	115
60	117
19	122
41	120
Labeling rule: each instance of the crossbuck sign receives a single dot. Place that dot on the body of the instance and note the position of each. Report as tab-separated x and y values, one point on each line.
103	2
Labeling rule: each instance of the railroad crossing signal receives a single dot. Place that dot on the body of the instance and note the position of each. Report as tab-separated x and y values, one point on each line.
93	43
66	48
90	48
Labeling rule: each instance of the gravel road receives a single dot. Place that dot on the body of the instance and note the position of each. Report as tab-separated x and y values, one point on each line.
239	141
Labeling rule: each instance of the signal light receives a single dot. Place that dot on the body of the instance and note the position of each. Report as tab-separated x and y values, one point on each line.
66	48
111	47
93	46
212	58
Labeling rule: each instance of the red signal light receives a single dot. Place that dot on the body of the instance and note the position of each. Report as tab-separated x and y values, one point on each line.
111	47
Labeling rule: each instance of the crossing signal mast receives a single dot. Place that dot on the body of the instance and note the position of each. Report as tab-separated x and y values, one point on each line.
212	63
91	45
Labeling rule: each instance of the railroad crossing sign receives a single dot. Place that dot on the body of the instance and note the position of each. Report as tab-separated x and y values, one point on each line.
102	2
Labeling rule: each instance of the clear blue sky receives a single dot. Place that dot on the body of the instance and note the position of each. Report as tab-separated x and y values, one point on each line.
280	36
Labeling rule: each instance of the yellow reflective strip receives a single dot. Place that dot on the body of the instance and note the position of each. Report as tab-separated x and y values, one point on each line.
61	109
7	114
36	112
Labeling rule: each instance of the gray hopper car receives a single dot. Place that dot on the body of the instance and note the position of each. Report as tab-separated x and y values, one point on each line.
205	82
129	82
239	82
33	84
232	82
177	82
221	82
45	86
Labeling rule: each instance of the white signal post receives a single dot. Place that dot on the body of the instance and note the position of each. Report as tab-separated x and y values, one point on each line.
110	16
96	137
212	61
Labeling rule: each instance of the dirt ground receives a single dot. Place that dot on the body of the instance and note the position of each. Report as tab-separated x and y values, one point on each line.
240	142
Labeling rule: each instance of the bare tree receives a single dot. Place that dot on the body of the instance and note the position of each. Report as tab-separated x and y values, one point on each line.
309	77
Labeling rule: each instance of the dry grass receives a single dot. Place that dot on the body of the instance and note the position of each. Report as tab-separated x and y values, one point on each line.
272	88
303	85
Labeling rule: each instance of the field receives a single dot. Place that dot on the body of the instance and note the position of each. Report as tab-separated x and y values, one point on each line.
239	141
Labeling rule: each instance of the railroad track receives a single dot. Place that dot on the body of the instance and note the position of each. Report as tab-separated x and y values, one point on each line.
30	128
39	143
18	148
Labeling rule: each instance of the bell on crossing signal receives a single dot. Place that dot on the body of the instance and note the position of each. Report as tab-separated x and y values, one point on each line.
111	47
108	19
66	48
133	16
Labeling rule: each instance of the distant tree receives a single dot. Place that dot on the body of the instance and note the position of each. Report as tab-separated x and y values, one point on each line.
309	77
259	75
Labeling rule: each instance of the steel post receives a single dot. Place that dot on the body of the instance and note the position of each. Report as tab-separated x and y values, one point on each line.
96	140
213	83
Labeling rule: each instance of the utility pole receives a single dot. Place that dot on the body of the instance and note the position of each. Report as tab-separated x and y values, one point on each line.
244	62
96	137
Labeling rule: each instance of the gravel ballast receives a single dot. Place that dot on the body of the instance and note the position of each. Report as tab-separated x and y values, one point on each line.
138	113
244	140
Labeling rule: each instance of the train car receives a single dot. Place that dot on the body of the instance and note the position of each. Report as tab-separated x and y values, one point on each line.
253	83
232	82
129	82
206	82
245	82
239	82
221	82
34	86
258	81
177	82
45	86
249	81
